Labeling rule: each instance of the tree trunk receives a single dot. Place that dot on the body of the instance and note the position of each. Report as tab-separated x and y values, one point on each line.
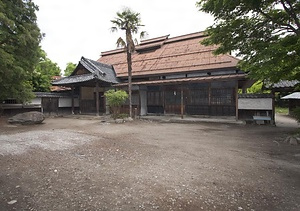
129	62
129	50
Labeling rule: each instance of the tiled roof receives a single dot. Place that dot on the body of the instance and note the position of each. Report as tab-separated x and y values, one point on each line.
187	80
58	88
53	94
285	84
74	79
97	71
165	55
255	95
295	96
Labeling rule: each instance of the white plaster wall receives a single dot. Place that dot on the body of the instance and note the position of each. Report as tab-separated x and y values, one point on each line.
67	102
143	97
36	100
255	103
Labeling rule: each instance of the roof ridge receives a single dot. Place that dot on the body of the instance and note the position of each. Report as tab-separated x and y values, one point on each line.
186	36
93	66
115	51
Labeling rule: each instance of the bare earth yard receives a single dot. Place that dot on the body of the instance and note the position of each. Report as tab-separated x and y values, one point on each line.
72	164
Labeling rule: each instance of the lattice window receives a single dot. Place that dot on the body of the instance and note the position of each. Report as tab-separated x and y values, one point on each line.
223	96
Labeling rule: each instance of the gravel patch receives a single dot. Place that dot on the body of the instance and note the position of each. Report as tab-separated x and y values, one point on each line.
70	164
14	144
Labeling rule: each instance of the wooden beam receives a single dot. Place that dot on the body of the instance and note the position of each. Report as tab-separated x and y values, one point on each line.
72	88
237	101
182	102
97	98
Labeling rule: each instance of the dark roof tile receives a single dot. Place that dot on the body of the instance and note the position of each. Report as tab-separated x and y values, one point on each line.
100	71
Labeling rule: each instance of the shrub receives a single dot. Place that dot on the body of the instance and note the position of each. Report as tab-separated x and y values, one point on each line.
122	116
296	113
115	98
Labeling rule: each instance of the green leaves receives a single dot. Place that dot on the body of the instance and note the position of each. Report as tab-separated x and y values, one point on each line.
264	33
69	69
19	48
116	98
43	72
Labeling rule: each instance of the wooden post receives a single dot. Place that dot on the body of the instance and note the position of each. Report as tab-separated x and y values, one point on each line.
237	101
72	89
97	98
162	90
273	107
209	98
182	102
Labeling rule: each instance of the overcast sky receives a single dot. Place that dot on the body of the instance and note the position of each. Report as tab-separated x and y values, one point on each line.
76	28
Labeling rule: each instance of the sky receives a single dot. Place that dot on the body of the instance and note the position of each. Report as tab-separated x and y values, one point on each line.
76	28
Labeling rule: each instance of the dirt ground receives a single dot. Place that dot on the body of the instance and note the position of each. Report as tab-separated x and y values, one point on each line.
72	164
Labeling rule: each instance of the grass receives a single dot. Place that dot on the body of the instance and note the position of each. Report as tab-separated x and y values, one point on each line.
282	110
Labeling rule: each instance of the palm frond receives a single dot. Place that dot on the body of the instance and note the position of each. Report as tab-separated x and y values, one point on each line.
130	22
143	34
113	29
120	43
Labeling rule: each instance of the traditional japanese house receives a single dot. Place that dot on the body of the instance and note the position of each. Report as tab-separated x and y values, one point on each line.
89	80
170	76
180	76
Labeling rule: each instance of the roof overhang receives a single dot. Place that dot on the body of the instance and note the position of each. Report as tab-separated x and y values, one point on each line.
293	96
79	80
189	80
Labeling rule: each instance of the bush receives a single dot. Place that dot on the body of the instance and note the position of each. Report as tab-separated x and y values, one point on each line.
296	114
115	98
122	116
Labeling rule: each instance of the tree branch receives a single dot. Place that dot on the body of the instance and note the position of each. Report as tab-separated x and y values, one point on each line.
275	21
291	12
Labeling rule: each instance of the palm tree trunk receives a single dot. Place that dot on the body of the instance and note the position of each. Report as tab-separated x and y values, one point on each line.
129	49
129	62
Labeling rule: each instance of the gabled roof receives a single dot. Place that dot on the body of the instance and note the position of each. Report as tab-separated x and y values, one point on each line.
294	96
164	55
94	71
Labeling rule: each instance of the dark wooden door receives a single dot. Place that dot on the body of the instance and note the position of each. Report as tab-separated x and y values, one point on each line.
50	105
172	100
101	102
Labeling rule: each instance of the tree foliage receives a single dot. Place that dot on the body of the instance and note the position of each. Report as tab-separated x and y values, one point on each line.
296	113
265	34
115	99
43	73
19	48
69	69
130	22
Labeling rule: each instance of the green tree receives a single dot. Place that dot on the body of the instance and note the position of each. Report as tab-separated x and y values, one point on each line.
43	73
130	22
265	34
19	48
115	99
69	69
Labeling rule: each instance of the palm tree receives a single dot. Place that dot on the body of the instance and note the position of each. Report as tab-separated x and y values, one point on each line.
130	22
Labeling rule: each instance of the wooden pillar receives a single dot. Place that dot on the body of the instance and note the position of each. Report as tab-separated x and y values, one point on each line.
162	89
273	107
237	101
97	98
209	99
72	89
182	102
